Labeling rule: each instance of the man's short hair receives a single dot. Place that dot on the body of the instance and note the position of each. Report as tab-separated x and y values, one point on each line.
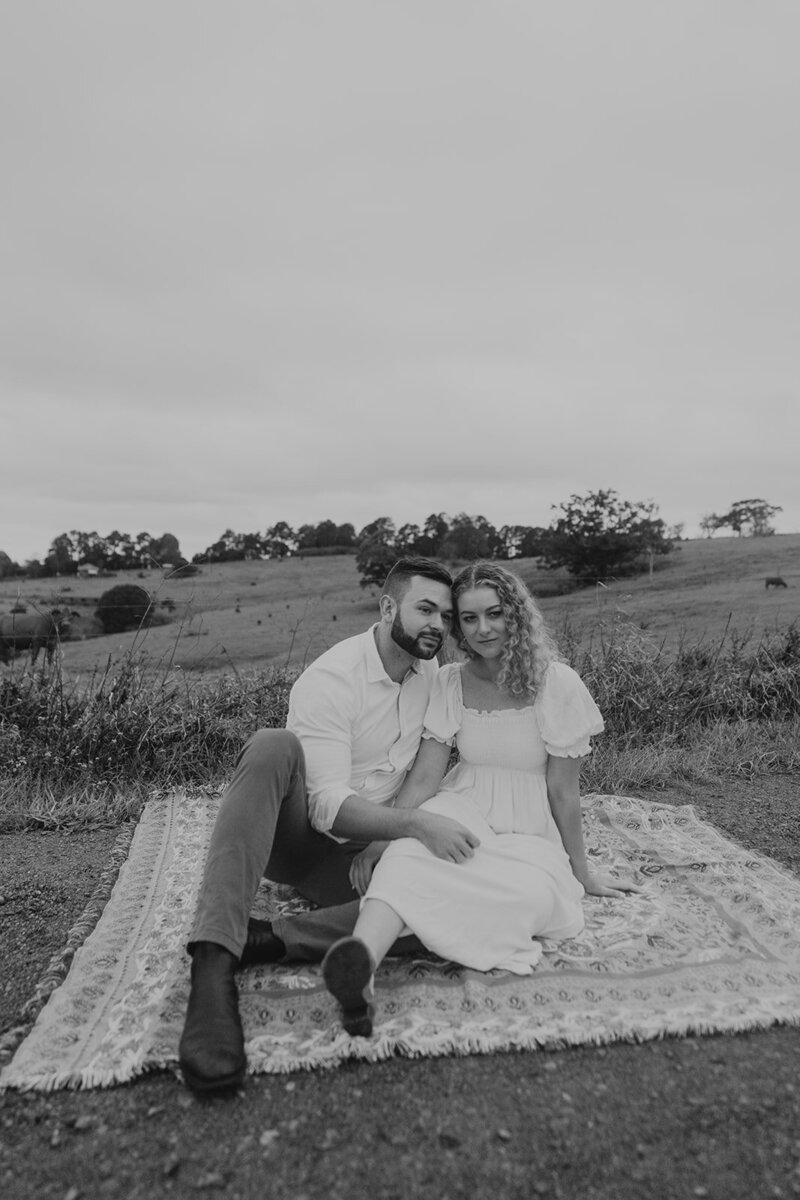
404	569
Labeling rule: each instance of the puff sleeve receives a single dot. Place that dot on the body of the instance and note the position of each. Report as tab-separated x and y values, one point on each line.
445	707
566	713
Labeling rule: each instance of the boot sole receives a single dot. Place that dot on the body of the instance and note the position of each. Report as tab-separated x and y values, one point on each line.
347	970
210	1087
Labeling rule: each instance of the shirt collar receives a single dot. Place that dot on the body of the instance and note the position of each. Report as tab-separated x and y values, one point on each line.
376	671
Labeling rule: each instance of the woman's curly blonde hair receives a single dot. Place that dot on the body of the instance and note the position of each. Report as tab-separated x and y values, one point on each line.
530	649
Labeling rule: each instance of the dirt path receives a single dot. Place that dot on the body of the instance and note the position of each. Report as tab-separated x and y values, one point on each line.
715	1116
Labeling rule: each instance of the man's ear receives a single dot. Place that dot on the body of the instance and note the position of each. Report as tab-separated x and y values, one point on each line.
387	607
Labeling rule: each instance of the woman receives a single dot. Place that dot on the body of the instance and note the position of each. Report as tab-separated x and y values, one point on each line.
521	720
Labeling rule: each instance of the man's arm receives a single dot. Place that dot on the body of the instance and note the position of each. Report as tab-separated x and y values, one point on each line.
360	820
421	782
321	715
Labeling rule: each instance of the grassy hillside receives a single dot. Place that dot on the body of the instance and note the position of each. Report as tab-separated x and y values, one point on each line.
258	614
86	742
248	614
704	587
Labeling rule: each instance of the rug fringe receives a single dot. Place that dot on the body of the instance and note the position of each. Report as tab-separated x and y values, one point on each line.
384	1048
359	1050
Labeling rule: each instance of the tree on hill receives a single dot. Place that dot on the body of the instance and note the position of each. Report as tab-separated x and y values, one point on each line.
228	548
326	535
428	541
381	527
376	551
599	535
7	566
62	557
280	540
407	540
119	551
166	550
114	552
434	534
141	549
374	559
743	515
710	523
470	538
521	541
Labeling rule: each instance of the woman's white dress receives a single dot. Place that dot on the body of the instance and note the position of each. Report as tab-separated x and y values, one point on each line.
484	912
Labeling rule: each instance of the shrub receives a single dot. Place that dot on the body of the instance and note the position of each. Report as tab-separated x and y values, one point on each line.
184	571
124	607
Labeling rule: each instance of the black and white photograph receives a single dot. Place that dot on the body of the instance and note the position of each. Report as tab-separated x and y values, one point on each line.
399	599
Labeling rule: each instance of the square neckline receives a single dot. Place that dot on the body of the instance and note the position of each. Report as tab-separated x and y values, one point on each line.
486	712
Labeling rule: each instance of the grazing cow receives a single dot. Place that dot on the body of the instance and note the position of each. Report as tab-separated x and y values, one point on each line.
775	581
31	632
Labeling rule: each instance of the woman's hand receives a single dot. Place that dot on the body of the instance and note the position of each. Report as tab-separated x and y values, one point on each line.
608	885
364	864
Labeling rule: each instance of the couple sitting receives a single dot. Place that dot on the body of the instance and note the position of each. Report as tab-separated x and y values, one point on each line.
352	800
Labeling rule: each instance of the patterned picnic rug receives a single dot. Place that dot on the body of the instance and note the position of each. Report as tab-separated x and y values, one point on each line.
712	945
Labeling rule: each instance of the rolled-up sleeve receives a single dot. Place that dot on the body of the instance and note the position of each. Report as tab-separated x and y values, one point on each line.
321	714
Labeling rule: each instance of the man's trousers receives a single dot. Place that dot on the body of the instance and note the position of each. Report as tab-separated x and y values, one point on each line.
263	829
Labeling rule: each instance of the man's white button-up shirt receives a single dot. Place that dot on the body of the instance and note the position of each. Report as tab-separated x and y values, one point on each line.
360	731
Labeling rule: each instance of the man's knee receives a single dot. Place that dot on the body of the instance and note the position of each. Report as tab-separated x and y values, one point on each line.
273	749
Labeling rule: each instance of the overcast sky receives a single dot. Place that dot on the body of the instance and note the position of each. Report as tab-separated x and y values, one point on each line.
271	260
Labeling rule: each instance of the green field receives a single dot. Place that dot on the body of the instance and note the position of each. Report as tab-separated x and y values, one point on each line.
695	671
258	614
705	587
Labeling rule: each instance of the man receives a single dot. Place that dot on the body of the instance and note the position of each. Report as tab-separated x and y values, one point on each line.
305	800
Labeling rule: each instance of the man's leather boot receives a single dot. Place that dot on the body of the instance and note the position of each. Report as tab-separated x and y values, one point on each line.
262	946
211	1052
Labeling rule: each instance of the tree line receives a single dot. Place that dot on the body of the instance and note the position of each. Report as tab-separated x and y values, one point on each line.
593	536
110	553
743	516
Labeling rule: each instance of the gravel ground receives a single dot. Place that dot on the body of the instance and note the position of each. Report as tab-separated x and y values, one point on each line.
713	1116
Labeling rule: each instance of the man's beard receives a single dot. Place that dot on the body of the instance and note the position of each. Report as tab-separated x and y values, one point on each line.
413	646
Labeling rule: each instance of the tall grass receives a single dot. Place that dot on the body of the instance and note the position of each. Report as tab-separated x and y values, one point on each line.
78	753
93	750
646	692
728	707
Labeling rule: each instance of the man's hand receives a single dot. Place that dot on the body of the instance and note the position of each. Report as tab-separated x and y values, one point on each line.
364	864
444	837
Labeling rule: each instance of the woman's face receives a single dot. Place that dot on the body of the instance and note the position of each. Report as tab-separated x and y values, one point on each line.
480	615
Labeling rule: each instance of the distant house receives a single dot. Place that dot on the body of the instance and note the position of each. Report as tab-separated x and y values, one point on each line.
88	569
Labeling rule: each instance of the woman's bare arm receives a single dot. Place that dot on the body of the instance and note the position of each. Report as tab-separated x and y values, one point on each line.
427	772
563	791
